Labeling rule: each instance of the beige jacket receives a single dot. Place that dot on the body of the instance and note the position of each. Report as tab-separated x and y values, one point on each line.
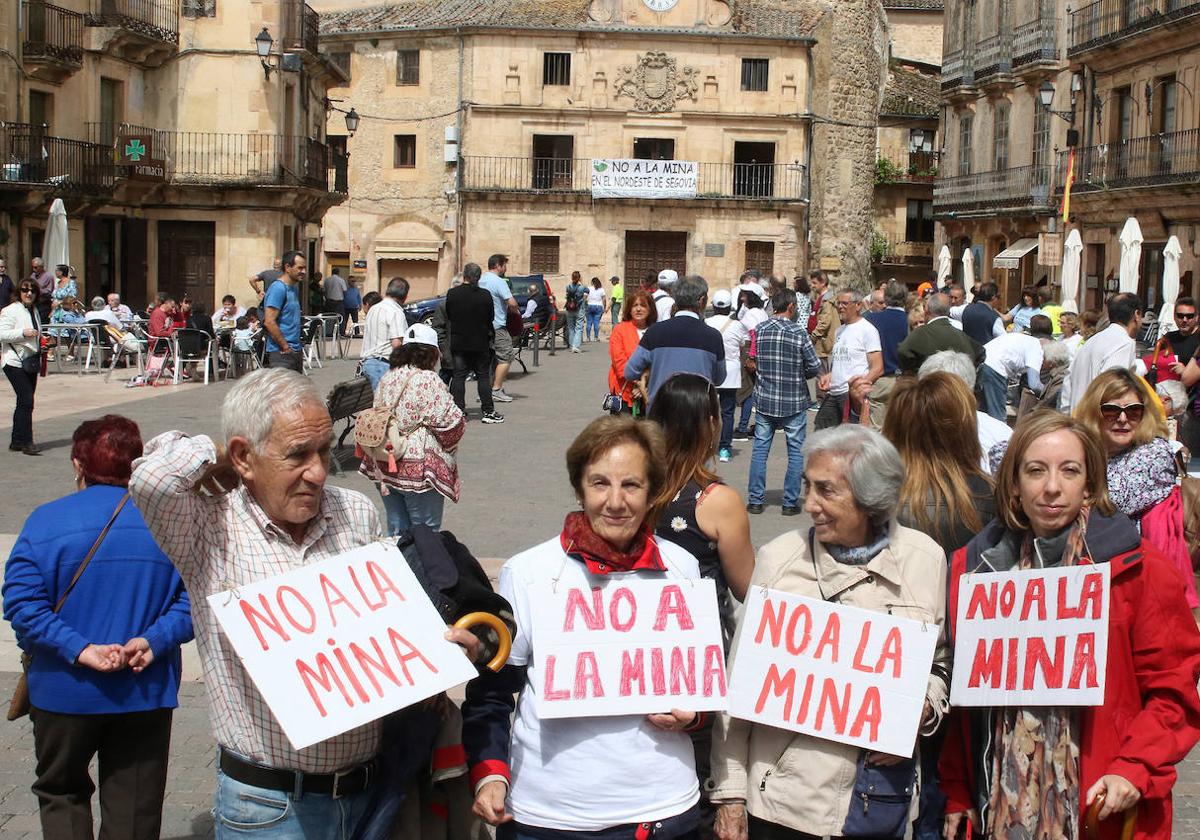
826	329
802	782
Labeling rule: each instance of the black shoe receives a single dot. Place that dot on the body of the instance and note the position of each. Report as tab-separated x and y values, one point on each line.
492	417
791	510
743	436
16	447
754	508
31	449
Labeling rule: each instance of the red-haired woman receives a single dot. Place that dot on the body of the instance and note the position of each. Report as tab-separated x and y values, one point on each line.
639	313
104	642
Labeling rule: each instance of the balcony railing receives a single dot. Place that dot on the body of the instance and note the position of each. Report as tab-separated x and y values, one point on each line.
762	181
301	27
958	70
30	157
154	19
993	56
913	168
1157	160
1017	188
1105	21
230	160
891	251
1035	42
52	33
339	181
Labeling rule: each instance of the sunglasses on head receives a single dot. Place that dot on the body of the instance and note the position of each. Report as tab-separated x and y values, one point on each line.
1112	412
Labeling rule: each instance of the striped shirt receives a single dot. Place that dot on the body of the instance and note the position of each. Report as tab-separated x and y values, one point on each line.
219	543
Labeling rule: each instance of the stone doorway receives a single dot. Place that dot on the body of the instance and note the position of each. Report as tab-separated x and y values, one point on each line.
187	261
650	251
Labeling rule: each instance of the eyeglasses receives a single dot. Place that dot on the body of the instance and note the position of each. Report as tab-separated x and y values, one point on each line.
1187	315
1112	412
841	303
29	289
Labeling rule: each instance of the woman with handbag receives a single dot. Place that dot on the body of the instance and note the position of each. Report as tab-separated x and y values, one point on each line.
639	314
775	784
408	438
20	341
100	614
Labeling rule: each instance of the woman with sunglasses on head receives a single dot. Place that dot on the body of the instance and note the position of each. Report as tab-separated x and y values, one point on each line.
1142	476
21	356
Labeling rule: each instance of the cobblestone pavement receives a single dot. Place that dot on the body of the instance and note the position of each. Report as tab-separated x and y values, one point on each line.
514	495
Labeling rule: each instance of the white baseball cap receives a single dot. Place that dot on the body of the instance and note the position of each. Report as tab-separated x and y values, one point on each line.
667	276
722	299
421	334
755	288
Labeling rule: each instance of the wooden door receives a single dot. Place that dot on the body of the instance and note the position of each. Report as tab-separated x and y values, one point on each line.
132	282
649	251
187	260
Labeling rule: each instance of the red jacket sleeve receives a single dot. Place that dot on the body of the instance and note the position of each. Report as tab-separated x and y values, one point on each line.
1166	661
955	776
622	343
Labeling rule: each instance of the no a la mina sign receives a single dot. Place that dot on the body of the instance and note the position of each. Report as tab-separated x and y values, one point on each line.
626	647
836	672
340	643
1037	637
621	178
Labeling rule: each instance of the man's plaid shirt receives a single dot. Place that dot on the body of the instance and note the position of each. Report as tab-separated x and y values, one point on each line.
220	543
786	359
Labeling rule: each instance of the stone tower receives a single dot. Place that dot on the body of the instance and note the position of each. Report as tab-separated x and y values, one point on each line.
849	72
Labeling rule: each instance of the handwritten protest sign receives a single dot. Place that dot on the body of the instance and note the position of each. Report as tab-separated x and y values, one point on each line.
1032	638
627	178
835	672
627	647
340	643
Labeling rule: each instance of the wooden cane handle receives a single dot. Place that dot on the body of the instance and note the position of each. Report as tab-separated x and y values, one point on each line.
1092	820
476	619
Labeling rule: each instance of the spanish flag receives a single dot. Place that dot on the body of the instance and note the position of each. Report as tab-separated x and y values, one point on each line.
1066	202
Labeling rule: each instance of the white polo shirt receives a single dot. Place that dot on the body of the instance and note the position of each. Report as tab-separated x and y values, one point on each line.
384	321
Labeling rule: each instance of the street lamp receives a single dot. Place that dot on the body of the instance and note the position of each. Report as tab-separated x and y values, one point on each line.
1046	98
262	43
351	121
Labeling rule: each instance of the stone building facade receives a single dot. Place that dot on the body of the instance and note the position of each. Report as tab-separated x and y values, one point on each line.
480	123
184	160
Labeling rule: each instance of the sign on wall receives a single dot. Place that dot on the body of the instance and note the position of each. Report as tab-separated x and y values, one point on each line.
627	647
836	672
340	643
621	178
1032	638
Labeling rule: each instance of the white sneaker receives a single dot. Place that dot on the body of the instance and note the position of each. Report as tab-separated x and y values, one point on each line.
500	396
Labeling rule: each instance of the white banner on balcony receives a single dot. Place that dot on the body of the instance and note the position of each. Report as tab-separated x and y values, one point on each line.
621	178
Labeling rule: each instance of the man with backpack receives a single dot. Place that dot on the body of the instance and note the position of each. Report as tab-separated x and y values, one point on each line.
576	298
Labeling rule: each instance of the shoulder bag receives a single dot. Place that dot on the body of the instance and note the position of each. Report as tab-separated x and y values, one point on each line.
378	435
18	707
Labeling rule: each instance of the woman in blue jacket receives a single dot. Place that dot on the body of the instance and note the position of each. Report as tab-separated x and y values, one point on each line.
105	669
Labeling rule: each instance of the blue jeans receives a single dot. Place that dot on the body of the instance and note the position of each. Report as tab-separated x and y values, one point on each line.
575	328
406	509
728	398
995	393
743	424
241	810
594	314
794	428
374	369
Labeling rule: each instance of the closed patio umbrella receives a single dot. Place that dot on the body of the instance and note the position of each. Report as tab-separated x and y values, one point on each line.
968	262
1072	255
1131	255
55	247
1170	281
945	266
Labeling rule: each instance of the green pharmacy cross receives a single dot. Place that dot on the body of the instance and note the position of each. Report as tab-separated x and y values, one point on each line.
135	150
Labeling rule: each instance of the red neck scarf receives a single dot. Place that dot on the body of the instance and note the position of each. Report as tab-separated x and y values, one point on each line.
580	542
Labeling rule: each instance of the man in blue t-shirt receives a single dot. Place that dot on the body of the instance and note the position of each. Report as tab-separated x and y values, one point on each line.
282	320
503	303
891	322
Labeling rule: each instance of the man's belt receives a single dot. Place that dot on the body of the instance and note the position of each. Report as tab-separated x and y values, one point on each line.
336	785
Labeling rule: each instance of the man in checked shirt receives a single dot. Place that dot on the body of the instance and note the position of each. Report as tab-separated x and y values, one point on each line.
233	513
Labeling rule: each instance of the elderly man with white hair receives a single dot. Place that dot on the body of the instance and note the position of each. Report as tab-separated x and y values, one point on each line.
991	430
229	514
124	313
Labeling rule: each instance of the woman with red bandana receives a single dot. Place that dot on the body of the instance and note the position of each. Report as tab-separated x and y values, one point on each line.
622	776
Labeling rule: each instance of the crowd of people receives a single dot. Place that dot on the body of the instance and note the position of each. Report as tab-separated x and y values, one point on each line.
950	438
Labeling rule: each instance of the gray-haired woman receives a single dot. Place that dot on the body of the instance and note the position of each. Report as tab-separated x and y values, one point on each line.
773	783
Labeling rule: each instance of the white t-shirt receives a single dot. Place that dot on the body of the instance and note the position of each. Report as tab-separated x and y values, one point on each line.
752	318
586	774
734	334
595	297
1110	348
664	303
106	315
384	321
849	356
1010	354
991	432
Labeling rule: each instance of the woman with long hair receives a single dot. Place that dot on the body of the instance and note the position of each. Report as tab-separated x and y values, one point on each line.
20	341
639	313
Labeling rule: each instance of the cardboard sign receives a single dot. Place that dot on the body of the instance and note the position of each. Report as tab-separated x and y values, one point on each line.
621	178
340	643
1032	638
840	673
627	647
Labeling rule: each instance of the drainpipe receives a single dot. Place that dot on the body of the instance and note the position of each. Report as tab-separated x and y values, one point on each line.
806	190
458	174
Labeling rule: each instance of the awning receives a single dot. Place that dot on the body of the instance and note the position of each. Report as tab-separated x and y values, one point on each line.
1011	256
429	251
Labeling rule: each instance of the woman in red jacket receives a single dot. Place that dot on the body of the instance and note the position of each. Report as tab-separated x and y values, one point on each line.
638	315
1018	772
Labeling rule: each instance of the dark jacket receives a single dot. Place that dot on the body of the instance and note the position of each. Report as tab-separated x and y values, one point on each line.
977	320
934	337
469	311
683	344
1150	719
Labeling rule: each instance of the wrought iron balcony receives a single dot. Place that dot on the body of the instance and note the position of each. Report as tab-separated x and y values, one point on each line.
958	71
301	27
1035	43
142	32
1156	161
893	251
1105	21
993	57
1017	189
30	158
339	181
913	168
738	181
53	42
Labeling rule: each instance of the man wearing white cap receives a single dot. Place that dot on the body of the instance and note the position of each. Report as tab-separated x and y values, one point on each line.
663	301
733	334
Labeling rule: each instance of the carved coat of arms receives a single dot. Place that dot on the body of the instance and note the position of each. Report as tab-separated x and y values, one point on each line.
656	82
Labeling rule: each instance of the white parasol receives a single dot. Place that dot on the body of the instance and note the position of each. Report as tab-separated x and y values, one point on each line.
1170	281
968	261
56	247
1072	257
1131	255
945	266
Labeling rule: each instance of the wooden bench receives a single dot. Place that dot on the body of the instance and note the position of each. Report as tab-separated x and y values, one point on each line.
345	400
